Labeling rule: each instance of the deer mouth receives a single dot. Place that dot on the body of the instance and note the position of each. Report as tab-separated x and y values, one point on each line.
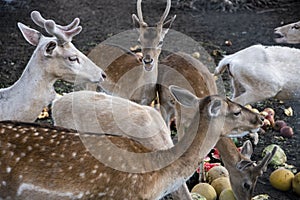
279	37
149	66
241	133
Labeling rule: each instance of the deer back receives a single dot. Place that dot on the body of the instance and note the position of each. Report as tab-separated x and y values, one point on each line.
88	111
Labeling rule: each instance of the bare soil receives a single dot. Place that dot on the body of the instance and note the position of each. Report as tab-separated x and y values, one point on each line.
210	27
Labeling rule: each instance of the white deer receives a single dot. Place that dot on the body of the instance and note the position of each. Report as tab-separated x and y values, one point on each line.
41	162
289	33
261	72
54	58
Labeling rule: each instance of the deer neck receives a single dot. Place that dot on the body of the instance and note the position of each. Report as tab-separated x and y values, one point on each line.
229	153
29	94
200	138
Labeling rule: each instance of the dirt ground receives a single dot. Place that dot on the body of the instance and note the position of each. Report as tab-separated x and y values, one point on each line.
210	27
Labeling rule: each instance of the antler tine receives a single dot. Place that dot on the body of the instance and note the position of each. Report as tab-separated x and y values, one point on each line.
167	10
63	33
38	19
70	26
139	10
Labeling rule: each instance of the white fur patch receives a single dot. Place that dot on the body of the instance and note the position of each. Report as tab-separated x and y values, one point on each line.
30	187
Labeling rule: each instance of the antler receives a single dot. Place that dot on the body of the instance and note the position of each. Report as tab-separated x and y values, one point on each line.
139	10
167	10
63	33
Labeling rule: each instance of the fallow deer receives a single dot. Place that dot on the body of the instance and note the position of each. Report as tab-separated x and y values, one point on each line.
289	33
243	172
128	76
88	111
261	72
196	77
54	58
41	162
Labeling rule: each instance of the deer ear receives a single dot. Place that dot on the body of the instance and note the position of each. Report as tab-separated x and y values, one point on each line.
183	96
32	36
247	149
214	108
50	47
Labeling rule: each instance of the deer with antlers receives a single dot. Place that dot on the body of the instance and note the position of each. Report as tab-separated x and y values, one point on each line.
54	58
41	162
130	76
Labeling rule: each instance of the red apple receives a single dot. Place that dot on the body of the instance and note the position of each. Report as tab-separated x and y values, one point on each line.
279	124
287	132
270	116
270	111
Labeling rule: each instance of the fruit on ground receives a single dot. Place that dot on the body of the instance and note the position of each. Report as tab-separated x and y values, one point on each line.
221	184
205	190
279	158
216	172
281	179
287	132
227	194
296	183
196	196
279	124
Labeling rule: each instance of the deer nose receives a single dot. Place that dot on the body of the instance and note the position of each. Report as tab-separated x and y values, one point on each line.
102	76
261	119
147	59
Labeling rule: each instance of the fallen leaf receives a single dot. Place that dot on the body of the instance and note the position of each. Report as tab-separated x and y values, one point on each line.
288	111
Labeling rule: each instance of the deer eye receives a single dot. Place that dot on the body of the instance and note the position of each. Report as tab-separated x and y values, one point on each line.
296	26
247	186
73	59
237	113
160	43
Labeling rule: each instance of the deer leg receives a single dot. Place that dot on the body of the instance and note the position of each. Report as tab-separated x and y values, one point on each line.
238	88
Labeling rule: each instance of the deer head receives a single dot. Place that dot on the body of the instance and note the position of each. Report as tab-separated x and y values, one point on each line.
243	178
151	38
289	33
58	55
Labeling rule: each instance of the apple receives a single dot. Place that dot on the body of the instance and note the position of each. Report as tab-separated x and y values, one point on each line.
270	116
287	132
279	124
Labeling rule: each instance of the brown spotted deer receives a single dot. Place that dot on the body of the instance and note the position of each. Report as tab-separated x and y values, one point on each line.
243	172
40	162
289	33
129	76
201	82
54	58
182	70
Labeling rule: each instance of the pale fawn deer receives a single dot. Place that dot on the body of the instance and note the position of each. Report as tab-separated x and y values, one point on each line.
261	72
54	58
289	33
49	162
